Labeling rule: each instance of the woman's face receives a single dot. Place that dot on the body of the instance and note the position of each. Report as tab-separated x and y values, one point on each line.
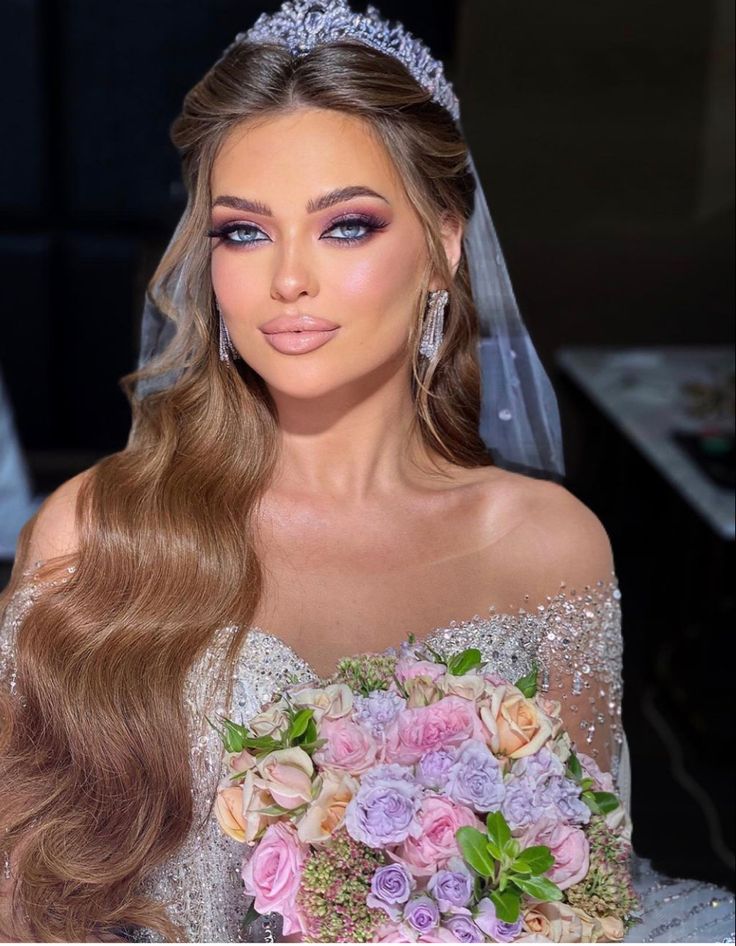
293	238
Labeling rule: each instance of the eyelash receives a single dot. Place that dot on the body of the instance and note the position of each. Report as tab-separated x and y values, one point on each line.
372	224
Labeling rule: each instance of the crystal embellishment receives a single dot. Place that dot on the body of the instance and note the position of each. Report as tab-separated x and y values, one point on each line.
301	25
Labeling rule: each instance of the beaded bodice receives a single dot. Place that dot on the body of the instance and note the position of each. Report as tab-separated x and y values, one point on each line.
574	637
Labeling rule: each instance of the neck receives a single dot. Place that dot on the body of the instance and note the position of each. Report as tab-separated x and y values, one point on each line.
354	444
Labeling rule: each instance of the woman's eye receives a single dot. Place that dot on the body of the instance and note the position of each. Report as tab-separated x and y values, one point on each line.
350	226
226	233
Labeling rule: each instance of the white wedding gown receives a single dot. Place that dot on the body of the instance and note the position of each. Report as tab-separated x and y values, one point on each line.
576	639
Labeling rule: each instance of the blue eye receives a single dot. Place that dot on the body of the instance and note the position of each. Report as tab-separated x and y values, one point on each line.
362	222
225	233
353	224
366	222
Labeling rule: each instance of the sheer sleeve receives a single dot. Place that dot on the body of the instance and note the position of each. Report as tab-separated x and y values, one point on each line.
580	658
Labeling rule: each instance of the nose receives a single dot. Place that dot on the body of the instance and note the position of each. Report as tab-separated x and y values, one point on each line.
293	273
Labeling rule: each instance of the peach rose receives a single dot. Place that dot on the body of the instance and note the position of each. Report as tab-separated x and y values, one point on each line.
469	686
421	691
240	761
327	812
255	800
330	702
560	923
516	726
612	929
272	722
287	775
229	811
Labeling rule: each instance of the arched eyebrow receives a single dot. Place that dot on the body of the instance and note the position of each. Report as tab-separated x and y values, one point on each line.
313	206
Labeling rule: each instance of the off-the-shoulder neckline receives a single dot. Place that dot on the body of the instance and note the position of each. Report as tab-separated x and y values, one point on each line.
602	590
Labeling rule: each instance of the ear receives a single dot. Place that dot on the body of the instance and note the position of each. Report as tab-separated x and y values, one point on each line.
452	240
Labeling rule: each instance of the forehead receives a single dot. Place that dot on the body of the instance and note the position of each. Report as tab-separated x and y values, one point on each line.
302	153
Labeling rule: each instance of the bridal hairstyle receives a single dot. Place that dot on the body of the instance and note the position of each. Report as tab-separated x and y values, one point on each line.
95	780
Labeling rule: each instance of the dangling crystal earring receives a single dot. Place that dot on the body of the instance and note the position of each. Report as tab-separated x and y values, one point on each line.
434	328
226	345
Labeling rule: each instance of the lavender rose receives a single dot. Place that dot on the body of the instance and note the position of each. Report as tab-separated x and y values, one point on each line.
383	811
434	768
422	914
451	888
497	929
476	779
464	930
377	711
390	885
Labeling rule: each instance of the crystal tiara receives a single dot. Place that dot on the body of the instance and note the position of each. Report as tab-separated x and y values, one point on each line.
300	25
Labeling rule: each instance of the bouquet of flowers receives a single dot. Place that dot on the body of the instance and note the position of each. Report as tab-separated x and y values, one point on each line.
416	799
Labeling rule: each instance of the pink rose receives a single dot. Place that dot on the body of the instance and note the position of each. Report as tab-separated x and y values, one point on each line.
348	747
273	874
568	846
450	722
407	668
438	819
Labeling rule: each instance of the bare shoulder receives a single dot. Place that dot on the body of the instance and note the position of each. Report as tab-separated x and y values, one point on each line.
54	530
548	529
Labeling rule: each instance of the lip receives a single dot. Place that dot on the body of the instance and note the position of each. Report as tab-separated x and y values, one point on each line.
297	343
297	323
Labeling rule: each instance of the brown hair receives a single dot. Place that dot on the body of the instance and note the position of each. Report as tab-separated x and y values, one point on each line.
92	797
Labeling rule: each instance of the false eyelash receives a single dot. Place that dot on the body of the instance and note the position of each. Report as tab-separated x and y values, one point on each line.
367	220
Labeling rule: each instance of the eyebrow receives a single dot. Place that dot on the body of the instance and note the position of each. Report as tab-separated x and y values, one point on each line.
313	206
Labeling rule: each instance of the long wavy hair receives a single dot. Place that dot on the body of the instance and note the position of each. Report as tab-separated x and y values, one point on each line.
92	798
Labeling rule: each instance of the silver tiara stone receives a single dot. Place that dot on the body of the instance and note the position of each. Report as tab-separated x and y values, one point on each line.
300	25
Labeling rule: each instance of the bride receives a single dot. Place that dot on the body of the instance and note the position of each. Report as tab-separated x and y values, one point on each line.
305	478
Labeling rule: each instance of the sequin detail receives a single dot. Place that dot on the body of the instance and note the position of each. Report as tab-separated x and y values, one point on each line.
575	640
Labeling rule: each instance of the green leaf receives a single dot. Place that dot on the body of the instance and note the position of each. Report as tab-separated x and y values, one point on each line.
300	723
519	867
311	732
538	858
261	742
507	904
512	848
464	662
250	917
606	802
586	784
493	849
473	846
589	799
235	736
574	767
538	887
498	830
528	683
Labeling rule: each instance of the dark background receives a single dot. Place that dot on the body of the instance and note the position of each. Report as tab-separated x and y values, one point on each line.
604	136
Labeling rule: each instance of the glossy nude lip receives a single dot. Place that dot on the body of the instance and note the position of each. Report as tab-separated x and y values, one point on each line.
296	343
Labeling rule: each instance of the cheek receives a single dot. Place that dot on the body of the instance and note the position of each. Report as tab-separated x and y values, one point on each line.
238	288
385	281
